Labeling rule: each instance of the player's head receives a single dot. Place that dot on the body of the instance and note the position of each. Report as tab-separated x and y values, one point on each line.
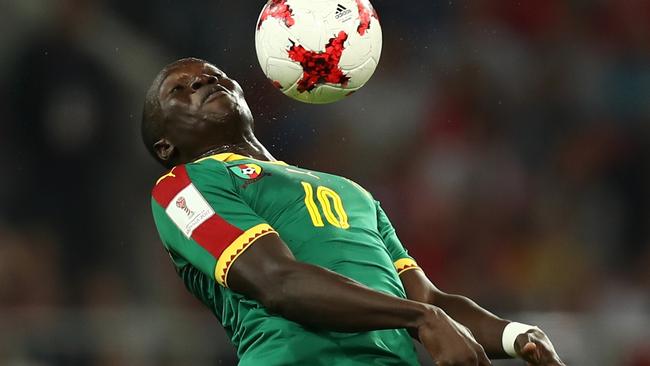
192	107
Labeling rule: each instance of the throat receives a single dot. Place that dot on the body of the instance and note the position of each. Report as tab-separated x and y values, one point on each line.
244	148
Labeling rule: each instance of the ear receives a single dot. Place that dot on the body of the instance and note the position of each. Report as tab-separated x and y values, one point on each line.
164	149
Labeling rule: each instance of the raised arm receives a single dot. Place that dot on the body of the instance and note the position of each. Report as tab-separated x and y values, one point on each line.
315	297
488	329
492	332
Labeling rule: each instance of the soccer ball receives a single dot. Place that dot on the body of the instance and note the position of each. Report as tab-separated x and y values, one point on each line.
318	51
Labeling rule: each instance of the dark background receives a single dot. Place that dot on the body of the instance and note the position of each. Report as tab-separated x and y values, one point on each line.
507	140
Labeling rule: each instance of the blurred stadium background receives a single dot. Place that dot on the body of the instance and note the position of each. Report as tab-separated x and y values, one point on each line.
508	140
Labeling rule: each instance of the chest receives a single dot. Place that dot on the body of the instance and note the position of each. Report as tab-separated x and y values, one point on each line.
283	193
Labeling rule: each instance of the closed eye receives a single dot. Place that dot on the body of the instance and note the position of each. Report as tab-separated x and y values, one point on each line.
175	89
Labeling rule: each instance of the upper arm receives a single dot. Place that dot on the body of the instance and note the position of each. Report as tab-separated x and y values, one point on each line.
418	287
203	222
402	261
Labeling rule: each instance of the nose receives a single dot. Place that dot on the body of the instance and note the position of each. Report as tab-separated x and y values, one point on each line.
202	80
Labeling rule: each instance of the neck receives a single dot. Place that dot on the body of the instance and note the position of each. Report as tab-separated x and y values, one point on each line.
249	146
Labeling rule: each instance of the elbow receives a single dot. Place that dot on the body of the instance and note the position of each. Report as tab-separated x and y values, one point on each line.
437	298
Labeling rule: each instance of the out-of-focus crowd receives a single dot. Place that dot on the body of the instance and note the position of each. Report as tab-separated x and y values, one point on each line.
508	141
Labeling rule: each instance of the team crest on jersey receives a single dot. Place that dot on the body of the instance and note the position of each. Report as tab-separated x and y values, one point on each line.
251	172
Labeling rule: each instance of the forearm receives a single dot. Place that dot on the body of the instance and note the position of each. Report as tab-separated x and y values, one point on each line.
486	327
319	298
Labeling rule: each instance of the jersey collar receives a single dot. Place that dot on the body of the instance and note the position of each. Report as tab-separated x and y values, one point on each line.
228	157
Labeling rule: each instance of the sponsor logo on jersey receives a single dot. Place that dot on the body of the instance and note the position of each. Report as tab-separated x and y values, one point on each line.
251	172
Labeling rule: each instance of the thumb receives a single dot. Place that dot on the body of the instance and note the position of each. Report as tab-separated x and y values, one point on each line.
529	352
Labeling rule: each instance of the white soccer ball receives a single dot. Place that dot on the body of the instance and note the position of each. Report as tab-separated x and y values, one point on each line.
318	51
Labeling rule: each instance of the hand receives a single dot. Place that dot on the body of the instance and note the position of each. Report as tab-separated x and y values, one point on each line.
450	343
536	349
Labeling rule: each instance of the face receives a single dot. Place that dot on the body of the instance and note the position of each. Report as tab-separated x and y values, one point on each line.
202	108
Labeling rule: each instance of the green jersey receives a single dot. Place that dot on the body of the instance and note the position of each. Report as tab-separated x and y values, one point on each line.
210	211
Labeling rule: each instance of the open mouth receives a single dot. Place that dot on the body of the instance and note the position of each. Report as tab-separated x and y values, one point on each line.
216	92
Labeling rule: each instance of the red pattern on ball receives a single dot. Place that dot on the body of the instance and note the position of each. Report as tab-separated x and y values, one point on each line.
365	12
320	67
277	9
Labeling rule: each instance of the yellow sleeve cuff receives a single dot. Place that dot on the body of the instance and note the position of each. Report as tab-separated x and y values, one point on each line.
236	248
405	264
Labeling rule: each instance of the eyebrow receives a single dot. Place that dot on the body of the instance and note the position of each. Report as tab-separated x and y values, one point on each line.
164	80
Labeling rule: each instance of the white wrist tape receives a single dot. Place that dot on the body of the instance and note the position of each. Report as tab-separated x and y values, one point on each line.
510	333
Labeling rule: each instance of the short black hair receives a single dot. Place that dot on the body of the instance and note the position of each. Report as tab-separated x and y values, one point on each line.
153	121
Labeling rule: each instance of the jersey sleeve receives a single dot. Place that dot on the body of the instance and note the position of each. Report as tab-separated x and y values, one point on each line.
202	219
401	259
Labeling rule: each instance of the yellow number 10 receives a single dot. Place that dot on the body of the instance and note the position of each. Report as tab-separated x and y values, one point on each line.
328	199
